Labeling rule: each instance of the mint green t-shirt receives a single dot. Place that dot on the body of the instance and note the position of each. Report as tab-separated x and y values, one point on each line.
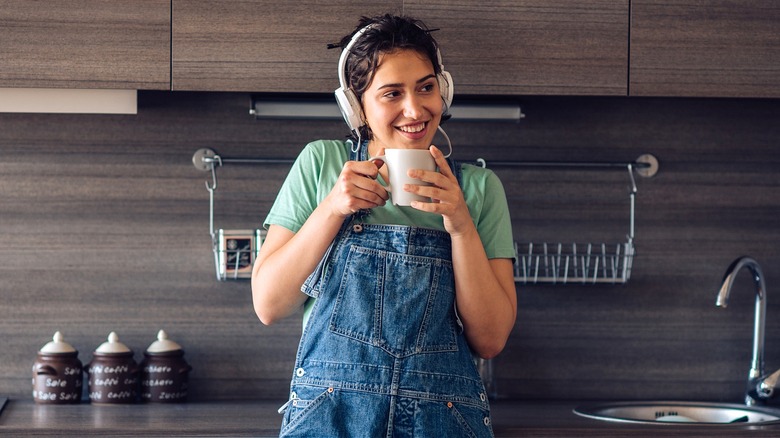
319	165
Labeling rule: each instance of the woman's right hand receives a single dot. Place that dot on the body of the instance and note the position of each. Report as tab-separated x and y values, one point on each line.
287	258
357	188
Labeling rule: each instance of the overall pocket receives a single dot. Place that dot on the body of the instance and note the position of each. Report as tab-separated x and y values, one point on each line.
401	303
470	421
301	405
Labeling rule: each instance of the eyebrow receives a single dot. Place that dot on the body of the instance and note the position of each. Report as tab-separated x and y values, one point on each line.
419	81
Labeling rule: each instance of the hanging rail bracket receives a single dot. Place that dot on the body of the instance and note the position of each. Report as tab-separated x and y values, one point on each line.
203	159
650	167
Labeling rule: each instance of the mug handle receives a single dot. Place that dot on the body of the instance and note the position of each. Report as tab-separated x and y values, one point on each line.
383	158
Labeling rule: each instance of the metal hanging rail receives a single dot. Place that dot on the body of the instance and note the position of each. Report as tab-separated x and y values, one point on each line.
645	165
221	160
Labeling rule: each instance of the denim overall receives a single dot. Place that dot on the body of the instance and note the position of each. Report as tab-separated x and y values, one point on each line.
383	353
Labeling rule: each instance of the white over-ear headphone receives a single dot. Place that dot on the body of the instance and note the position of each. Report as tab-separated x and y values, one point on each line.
349	103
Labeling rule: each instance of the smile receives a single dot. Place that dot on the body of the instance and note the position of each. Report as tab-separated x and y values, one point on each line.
413	129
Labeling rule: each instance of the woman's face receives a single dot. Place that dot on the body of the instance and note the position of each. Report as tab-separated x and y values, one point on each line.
403	105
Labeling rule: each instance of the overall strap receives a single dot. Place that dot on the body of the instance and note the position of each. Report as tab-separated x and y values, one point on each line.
311	285
357	154
457	170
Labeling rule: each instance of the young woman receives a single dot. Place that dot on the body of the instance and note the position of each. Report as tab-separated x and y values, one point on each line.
397	300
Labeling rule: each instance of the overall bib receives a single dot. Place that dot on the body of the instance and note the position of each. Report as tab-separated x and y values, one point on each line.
383	353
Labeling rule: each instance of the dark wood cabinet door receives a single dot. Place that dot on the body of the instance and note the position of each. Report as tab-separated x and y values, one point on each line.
263	45
85	44
564	47
705	48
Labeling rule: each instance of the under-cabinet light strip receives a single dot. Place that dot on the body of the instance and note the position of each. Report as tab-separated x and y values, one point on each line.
68	100
325	109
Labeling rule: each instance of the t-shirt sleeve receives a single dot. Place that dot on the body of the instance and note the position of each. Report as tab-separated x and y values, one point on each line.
493	221
297	197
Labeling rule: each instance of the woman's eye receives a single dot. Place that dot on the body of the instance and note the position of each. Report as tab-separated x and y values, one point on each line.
427	87
391	94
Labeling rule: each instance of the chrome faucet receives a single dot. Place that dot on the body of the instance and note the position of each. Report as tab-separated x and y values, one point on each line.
759	385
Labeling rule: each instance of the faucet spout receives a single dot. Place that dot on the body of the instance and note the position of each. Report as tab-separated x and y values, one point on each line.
757	373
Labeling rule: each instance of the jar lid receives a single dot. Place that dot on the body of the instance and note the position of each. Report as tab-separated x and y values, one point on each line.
113	345
57	345
163	344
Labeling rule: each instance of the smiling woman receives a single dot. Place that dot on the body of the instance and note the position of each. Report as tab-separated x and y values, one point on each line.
383	350
402	105
364	54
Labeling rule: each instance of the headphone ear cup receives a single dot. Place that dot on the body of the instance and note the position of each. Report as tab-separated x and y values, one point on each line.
446	88
350	108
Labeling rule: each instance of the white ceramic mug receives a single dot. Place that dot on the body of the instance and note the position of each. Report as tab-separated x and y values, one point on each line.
399	162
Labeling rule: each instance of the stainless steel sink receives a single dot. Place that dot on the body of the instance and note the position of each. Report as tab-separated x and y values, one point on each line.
678	413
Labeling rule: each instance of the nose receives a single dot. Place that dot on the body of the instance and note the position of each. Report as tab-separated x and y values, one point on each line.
413	107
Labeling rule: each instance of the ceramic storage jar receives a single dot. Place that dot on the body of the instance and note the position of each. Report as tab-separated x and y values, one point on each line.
164	372
57	373
113	373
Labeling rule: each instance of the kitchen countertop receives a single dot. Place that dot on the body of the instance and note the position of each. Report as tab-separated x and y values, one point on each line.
260	418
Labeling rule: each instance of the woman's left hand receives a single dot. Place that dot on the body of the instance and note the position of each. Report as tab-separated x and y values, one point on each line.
487	304
445	193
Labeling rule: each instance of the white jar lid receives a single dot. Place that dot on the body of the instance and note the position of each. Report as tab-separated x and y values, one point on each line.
57	345
163	344
113	345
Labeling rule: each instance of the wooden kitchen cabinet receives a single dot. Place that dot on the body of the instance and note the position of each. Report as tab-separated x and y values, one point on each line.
263	45
546	47
85	44
705	48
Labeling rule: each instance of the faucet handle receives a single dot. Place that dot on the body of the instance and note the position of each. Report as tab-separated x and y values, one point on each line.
767	385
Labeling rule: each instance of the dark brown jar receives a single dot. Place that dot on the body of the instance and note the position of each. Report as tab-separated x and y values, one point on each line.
164	372
57	373
113	373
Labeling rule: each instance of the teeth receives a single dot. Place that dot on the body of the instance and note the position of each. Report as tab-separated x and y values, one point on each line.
412	129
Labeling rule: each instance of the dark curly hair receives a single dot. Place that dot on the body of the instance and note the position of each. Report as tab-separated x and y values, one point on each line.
386	34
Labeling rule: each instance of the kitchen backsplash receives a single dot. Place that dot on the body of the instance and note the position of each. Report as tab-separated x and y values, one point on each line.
104	227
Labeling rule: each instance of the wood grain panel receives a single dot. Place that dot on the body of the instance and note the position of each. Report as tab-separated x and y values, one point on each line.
105	228
660	335
705	48
104	224
85	44
263	45
531	46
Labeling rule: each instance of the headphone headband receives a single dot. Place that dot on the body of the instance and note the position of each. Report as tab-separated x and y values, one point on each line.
345	55
350	105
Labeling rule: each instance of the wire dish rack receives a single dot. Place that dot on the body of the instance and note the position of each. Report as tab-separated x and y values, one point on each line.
235	251
573	263
583	263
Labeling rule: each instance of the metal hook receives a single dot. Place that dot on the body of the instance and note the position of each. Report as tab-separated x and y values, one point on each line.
204	160
214	160
482	162
632	202
631	175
